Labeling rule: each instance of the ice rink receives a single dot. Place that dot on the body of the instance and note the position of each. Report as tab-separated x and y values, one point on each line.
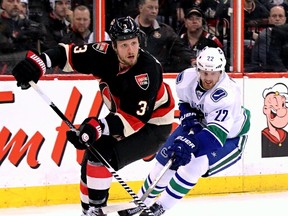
263	204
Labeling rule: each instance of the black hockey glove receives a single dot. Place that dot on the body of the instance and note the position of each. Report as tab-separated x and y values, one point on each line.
89	132
31	68
74	139
182	149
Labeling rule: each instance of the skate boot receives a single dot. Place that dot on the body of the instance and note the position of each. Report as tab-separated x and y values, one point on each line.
95	211
131	211
156	208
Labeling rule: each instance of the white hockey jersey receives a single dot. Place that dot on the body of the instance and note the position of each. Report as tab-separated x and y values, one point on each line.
224	115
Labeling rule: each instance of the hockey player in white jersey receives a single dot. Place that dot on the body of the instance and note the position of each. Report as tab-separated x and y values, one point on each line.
210	137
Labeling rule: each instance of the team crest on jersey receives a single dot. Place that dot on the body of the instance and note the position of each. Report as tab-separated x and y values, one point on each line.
218	94
101	47
142	81
179	78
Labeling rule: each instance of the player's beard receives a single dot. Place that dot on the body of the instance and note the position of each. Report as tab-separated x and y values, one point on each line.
127	62
208	85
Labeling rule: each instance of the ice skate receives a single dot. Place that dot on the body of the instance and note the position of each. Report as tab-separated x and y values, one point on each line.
156	209
131	211
95	211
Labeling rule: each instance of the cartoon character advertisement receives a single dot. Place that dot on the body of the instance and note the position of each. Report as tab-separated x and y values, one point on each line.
275	108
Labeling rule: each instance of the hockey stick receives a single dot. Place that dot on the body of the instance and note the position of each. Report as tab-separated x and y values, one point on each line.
126	206
52	105
157	179
92	149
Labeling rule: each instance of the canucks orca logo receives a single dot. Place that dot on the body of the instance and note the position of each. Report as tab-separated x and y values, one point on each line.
163	152
179	78
218	94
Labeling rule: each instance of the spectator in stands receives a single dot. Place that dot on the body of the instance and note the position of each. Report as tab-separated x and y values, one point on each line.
195	37
217	21
255	16
17	35
184	5
262	44
255	20
79	32
278	52
58	21
217	17
215	13
24	10
161	40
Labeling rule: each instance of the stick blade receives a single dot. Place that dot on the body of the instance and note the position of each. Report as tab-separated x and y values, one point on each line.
118	207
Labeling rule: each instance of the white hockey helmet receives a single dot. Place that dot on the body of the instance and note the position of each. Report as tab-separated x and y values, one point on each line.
211	59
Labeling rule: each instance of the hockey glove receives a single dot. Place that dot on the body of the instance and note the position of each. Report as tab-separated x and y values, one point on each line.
73	137
31	68
89	132
182	149
190	117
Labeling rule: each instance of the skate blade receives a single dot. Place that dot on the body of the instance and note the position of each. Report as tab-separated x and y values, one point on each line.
118	207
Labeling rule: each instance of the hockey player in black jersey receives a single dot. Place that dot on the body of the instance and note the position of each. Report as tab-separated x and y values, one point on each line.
140	103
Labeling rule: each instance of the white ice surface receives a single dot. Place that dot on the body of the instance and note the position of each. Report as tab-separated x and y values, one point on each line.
263	204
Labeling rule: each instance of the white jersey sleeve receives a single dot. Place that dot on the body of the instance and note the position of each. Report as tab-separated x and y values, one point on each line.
185	83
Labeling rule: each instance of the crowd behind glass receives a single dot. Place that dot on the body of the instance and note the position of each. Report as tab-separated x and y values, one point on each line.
40	24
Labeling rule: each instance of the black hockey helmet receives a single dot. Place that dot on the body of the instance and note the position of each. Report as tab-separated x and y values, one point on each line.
123	28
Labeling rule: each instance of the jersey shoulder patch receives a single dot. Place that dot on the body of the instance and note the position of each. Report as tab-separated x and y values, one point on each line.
188	73
179	77
101	47
218	94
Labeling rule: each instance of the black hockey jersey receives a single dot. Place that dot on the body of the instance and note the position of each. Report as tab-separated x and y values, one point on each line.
134	97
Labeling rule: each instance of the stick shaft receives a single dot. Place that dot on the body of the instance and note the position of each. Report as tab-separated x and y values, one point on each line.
126	206
92	149
157	179
52	105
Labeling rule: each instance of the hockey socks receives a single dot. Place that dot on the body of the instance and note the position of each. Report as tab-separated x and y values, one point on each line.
183	181
160	186
95	191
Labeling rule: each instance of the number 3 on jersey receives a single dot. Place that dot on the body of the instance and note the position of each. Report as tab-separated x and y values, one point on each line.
79	49
142	109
